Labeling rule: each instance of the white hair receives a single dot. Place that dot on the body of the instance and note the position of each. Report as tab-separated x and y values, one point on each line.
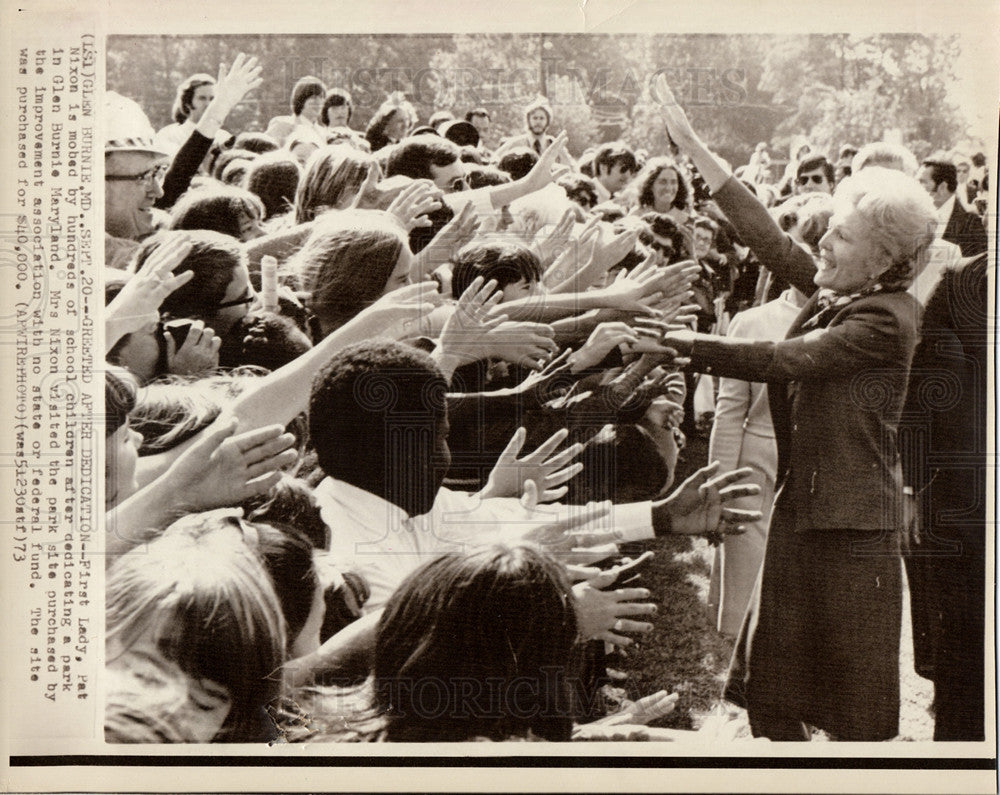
886	155
899	211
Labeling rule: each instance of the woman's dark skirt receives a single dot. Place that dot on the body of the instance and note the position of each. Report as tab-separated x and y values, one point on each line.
824	639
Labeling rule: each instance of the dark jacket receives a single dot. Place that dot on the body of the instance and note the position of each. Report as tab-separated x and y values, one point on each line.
966	231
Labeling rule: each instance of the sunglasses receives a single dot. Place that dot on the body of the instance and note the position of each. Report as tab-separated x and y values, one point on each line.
156	174
816	179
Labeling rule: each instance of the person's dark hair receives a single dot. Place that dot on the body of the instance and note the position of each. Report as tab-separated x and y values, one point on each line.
335	98
490	634
227	156
704	222
477	112
518	161
623	466
216	208
614	154
213	258
364	395
346	262
979	160
290	502
813	162
305	89
120	391
508	263
287	556
258	142
200	592
486	177
375	132
185	96
579	189
332	179
274	178
942	171
472	155
663	226
263	339
439	117
421	236
413	157
847	151
648	176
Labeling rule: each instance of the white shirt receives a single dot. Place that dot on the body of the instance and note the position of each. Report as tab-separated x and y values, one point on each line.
940	254
382	543
944	215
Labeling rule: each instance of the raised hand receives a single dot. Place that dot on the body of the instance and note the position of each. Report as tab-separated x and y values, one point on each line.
139	301
448	242
697	507
414	202
605	615
544	467
678	127
222	469
555	241
601	342
235	83
541	173
402	313
527	344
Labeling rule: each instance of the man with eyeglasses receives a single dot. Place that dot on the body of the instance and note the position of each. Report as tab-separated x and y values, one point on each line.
814	174
429	157
134	169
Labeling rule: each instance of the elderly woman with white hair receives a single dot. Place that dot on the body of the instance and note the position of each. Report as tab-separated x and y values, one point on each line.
825	647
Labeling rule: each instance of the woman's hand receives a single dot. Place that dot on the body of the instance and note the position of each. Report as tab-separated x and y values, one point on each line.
448	242
544	467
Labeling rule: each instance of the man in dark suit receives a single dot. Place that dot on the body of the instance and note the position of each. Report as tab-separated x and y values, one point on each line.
943	446
955	224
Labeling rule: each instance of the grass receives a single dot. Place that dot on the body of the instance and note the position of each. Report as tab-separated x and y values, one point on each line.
684	654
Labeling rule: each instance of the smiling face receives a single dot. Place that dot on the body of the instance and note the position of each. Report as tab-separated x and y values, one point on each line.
128	204
538	121
665	189
614	178
850	257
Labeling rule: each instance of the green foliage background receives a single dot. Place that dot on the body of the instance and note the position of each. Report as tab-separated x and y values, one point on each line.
738	89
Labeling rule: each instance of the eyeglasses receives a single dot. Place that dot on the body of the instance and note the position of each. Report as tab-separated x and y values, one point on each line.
816	179
156	174
246	298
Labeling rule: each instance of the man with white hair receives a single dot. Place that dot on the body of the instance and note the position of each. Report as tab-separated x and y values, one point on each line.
134	169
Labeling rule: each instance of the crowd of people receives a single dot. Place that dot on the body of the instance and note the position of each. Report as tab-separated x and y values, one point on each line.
381	407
